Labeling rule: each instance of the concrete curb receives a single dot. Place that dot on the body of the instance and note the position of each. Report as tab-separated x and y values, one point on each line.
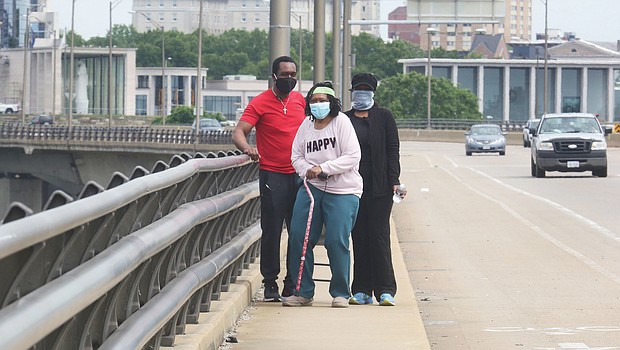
213	326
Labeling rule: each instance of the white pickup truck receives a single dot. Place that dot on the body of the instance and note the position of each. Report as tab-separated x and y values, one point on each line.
8	108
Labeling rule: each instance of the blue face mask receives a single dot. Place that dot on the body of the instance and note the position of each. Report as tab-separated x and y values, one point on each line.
320	110
362	99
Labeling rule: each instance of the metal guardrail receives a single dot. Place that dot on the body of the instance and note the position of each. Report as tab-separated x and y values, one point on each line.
12	130
456	124
17	131
128	266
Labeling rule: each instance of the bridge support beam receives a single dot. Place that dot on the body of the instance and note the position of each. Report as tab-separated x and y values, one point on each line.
28	191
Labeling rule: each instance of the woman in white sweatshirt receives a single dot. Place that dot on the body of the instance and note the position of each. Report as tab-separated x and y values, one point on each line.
326	153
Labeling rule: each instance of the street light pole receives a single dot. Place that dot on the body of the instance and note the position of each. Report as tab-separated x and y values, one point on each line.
429	69
71	65
163	62
25	72
198	90
546	58
299	71
163	75
54	78
110	71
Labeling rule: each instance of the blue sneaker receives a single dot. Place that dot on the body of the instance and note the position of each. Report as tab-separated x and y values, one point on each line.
360	299
386	299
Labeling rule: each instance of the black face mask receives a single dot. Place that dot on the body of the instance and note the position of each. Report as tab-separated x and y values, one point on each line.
286	85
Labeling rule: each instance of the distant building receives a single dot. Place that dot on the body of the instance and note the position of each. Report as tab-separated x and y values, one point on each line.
48	79
406	32
490	46
457	22
581	76
13	22
222	15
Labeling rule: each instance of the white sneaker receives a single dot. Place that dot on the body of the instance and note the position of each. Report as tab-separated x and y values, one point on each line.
296	300
340	302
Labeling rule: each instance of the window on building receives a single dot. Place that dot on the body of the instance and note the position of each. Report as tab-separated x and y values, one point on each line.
257	4
226	105
519	94
161	3
256	18
244	17
174	17
468	79
141	105
243	3
161	18
174	3
143	81
597	91
148	3
493	103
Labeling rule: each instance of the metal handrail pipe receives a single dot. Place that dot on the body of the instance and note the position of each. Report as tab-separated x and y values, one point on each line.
20	234
32	317
141	326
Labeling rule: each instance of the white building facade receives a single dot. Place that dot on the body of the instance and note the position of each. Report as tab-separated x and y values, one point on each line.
222	15
513	90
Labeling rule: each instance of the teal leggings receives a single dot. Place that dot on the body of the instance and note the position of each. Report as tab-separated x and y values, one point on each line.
337	212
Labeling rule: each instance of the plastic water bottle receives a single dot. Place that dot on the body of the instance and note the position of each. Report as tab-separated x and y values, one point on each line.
398	194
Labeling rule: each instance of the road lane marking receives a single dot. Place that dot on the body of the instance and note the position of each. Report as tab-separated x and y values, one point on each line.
584	259
579	217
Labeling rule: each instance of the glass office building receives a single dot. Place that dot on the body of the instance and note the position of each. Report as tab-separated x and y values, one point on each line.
513	90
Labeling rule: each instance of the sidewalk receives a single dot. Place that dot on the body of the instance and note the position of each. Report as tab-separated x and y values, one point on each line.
270	326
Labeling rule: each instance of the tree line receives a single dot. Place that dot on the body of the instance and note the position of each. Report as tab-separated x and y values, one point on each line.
247	52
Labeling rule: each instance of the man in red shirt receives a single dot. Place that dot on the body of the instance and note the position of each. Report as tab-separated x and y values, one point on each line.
276	115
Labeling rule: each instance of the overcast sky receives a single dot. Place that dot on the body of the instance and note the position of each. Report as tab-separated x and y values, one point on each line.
591	19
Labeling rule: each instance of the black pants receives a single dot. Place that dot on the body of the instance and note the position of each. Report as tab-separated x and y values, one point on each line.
277	198
372	255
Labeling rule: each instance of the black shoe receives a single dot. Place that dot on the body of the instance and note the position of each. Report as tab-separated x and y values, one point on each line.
271	293
286	293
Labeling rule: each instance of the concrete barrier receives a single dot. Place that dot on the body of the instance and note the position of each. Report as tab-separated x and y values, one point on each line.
512	138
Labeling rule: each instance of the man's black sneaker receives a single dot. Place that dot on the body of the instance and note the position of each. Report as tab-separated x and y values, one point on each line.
271	293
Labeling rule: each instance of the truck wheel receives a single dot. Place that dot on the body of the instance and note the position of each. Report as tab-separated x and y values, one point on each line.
536	170
602	172
8	111
540	173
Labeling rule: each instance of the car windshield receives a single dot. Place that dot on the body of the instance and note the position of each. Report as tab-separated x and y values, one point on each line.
569	125
204	123
485	130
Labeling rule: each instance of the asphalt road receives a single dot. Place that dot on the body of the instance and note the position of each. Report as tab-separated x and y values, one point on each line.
500	260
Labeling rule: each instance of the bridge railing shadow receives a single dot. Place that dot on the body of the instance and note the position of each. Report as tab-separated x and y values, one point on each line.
130	264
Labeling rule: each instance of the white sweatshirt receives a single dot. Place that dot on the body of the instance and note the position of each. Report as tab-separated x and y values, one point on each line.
335	149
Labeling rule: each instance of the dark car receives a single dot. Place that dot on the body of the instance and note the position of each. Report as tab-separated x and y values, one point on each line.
42	120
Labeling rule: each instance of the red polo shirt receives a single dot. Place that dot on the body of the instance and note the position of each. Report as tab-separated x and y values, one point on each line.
275	130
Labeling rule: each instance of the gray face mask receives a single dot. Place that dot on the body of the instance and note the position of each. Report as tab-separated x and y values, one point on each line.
362	99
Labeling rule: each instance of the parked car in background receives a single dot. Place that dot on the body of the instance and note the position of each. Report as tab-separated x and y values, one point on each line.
569	142
208	124
485	138
8	108
527	136
228	123
42	119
